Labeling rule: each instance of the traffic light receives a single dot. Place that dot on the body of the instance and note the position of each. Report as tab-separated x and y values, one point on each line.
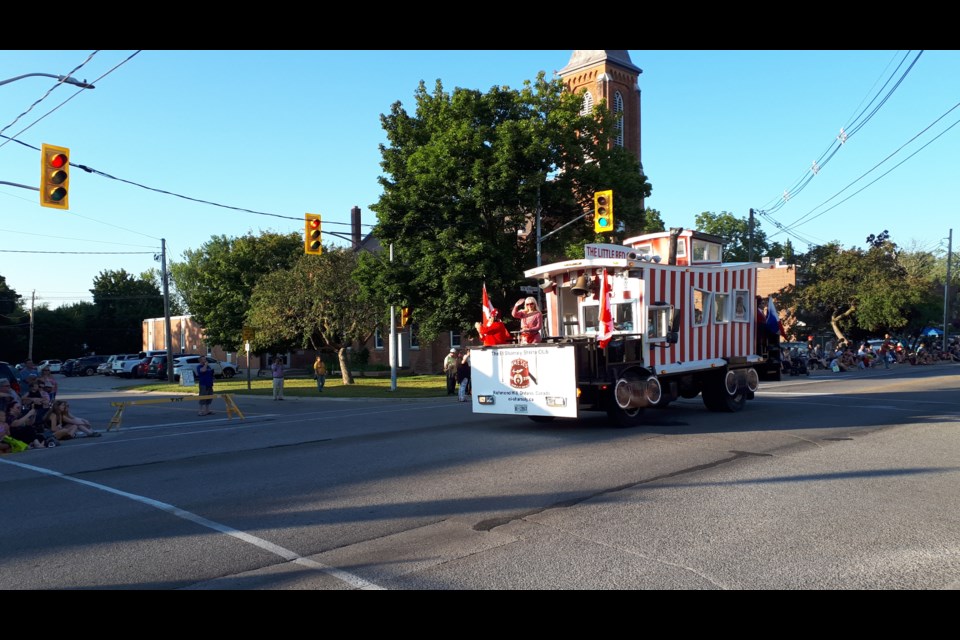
404	316
312	244
602	211
54	177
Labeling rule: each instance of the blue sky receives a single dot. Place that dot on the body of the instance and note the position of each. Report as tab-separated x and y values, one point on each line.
289	132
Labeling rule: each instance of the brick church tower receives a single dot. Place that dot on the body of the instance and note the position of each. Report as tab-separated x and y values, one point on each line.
610	76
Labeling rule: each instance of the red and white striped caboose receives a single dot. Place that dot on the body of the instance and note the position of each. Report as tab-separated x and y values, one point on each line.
715	301
684	324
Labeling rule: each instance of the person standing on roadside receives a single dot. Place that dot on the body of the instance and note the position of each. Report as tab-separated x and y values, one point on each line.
886	350
49	383
450	369
27	369
277	369
320	373
463	376
205	382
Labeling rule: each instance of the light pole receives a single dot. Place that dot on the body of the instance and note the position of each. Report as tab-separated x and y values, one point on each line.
66	79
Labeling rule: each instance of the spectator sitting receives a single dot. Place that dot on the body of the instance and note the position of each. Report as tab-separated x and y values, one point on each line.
7	395
23	426
37	398
64	426
69	418
848	360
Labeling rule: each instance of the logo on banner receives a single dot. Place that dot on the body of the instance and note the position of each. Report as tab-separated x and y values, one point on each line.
519	374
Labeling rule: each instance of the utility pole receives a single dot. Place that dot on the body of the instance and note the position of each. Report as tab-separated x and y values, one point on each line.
165	279
946	290
393	339
33	299
750	239
355	227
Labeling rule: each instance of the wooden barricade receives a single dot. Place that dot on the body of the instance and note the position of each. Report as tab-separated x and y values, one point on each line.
227	399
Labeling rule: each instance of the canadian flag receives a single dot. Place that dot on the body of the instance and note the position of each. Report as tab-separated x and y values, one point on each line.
606	318
487	307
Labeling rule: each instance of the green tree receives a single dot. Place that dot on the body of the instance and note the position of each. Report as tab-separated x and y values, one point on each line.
14	324
857	291
64	332
177	306
123	302
217	280
463	180
315	304
736	234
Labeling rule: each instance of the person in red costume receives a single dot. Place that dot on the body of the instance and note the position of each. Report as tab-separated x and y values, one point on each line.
495	332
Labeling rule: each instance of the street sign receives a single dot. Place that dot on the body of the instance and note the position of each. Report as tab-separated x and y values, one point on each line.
248	334
529	289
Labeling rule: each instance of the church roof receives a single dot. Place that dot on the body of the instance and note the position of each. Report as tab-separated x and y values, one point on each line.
583	58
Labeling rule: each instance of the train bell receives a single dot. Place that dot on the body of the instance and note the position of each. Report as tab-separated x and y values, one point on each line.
581	287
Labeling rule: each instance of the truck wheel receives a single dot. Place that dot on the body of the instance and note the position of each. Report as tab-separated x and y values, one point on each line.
723	393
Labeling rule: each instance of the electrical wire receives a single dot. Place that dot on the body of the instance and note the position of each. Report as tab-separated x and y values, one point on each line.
49	91
846	133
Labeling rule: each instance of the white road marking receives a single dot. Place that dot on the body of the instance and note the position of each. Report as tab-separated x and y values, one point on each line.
266	545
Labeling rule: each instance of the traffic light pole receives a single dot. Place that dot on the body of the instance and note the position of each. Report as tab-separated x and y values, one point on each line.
393	339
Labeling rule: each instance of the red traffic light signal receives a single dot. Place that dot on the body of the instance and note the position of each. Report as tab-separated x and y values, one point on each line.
54	177
312	241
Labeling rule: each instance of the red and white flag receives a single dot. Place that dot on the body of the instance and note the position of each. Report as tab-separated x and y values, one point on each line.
606	317
487	307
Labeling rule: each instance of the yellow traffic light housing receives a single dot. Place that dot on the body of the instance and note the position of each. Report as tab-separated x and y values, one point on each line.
404	316
312	242
603	211
54	177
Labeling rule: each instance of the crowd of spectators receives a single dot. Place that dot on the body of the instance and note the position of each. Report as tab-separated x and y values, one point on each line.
33	418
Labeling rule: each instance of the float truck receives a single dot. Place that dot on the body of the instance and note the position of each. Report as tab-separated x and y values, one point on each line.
684	324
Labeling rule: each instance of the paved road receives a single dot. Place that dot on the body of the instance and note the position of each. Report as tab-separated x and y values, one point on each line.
827	482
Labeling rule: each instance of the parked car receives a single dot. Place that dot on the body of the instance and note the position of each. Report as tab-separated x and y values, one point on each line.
10	373
140	371
123	362
129	365
220	369
85	366
157	368
106	368
53	365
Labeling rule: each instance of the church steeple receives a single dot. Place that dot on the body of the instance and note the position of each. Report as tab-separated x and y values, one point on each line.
610	76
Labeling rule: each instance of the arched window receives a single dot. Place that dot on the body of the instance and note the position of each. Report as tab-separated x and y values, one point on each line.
618	113
587	104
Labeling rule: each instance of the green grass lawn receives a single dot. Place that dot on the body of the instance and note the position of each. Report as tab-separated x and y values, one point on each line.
378	387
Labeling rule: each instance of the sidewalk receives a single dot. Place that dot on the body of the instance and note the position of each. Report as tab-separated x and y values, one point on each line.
827	373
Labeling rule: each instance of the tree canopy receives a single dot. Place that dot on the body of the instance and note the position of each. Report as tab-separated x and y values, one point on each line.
122	301
464	177
854	290
217	280
314	304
